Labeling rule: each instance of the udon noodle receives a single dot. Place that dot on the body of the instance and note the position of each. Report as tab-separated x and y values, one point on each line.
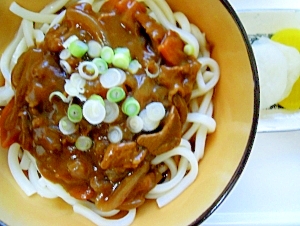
177	167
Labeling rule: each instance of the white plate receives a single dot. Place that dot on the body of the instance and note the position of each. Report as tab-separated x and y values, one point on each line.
266	22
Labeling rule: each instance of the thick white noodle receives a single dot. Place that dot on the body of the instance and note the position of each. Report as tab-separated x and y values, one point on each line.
202	110
6	93
7	55
86	1
32	16
207	99
45	28
25	161
101	213
207	76
98	220
163	5
187	180
58	19
201	135
171	166
162	188
38	36
27	27
204	52
25	152
60	192
34	179
16	171
53	7
194	105
183	21
214	70
202	119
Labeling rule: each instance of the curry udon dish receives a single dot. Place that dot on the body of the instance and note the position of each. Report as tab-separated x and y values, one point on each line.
106	104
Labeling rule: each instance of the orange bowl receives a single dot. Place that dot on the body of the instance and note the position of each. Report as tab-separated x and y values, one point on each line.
236	104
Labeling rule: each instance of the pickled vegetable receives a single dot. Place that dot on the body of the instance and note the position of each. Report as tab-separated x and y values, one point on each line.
290	37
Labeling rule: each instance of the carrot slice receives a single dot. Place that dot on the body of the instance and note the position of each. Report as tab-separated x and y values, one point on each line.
171	49
7	137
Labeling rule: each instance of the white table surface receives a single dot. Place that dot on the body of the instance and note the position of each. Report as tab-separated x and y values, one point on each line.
268	191
264	4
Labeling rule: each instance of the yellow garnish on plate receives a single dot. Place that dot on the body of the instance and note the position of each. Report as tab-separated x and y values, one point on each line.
290	37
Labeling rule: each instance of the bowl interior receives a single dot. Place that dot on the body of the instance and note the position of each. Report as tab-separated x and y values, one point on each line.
235	111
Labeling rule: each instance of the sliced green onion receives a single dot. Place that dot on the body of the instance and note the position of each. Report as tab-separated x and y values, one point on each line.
121	61
115	134
107	54
98	98
90	67
78	82
124	51
134	66
74	113
64	54
115	94
101	64
83	143
155	111
74	90
70	89
112	77
94	111
131	106
66	126
152	75
78	48
121	58
94	48
71	39
148	124
135	123
65	66
188	49
60	95
123	76
111	111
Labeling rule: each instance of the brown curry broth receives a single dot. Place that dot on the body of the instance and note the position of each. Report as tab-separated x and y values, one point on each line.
37	74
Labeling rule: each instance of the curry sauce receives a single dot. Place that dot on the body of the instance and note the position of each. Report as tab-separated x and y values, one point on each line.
113	175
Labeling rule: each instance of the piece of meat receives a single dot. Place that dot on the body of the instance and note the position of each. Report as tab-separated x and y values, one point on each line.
155	31
166	139
125	155
181	107
83	15
123	190
137	195
179	79
129	9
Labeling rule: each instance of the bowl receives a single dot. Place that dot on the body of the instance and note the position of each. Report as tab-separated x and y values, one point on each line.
236	104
